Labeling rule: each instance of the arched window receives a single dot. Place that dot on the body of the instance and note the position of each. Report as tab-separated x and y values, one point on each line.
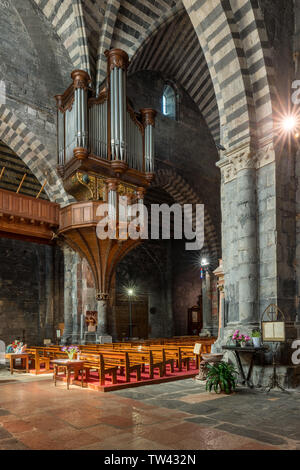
169	102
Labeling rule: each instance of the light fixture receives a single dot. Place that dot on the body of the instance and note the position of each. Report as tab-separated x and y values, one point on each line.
289	123
130	292
204	262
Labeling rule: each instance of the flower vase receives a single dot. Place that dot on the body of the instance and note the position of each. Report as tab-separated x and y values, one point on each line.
71	356
243	344
256	342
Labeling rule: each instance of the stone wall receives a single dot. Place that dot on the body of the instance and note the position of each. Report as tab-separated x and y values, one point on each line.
31	291
184	144
34	66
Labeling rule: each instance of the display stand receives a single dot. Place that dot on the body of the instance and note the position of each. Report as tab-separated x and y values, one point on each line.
273	331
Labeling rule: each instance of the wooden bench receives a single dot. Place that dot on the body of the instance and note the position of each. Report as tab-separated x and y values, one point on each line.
97	362
38	358
121	360
154	361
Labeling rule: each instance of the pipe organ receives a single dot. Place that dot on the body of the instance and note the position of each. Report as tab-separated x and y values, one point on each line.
103	135
105	152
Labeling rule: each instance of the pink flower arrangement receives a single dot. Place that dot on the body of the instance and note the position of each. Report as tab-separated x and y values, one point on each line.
240	337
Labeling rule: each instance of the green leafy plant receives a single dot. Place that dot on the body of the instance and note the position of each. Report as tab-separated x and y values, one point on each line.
221	377
256	334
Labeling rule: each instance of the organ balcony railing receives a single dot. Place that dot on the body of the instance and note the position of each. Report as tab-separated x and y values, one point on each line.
103	134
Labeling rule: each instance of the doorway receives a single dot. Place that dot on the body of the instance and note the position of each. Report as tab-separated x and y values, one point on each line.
195	319
139	317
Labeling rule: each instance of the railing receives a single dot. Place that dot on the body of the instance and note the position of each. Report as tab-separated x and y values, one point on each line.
26	207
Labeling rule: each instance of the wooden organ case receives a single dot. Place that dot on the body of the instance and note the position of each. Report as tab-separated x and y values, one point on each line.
105	151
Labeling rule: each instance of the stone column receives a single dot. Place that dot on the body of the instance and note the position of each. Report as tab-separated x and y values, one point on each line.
206	305
49	292
219	273
70	293
247	245
239	239
102	308
169	330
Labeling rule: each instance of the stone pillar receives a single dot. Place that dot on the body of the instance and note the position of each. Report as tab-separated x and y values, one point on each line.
169	329
49	292
239	240
112	307
219	273
247	245
102	308
70	294
206	306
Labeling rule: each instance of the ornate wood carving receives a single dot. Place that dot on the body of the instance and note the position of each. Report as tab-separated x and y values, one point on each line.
134	116
103	96
65	101
81	79
148	116
78	223
117	58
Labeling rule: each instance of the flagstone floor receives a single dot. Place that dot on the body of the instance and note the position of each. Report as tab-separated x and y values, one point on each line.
180	415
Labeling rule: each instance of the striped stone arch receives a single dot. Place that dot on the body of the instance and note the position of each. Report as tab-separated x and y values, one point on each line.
230	78
67	19
174	51
24	143
234	41
182	193
128	24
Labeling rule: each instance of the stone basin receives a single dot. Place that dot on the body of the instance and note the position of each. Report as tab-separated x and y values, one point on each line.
211	357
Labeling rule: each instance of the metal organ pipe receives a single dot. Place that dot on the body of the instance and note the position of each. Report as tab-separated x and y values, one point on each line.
80	85
61	137
117	67
112	116
148	117
116	111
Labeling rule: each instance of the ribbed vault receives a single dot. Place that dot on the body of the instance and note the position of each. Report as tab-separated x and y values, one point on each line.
182	193
231	34
175	51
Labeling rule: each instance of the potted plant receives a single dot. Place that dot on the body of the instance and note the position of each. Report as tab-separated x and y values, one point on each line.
240	339
221	377
256	338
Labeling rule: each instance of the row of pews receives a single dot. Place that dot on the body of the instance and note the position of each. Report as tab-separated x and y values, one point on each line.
124	359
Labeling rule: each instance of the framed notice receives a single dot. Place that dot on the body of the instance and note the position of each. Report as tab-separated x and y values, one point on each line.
197	348
273	331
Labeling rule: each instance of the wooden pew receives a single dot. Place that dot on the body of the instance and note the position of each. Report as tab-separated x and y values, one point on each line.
148	358
39	358
121	359
96	361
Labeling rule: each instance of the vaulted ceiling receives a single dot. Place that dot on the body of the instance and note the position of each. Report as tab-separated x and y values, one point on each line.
174	50
157	35
12	171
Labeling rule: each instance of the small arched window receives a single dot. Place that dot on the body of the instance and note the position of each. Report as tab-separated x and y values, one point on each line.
169	102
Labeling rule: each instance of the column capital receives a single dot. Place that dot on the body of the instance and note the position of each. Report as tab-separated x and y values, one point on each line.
100	296
243	158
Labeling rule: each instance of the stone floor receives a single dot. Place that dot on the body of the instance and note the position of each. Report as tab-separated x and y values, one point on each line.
180	415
